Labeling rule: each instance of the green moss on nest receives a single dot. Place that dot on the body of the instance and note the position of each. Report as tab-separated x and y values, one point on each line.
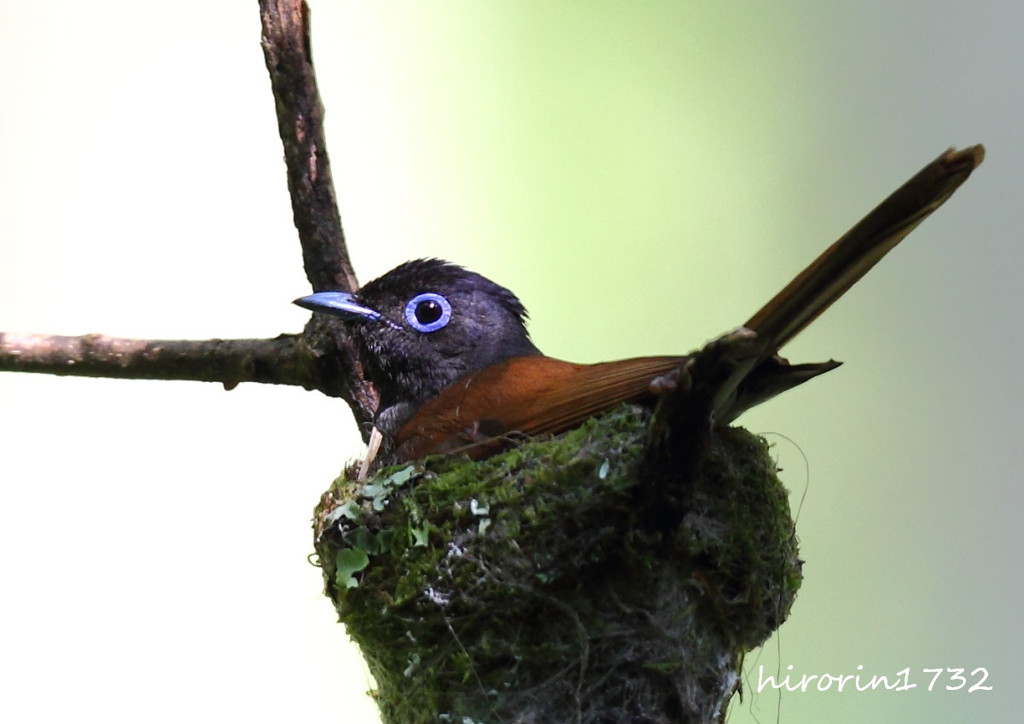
532	586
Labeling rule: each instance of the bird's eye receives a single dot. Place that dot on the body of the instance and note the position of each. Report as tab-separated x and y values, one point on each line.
428	312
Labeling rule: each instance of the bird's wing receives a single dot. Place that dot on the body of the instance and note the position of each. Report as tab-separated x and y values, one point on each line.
529	395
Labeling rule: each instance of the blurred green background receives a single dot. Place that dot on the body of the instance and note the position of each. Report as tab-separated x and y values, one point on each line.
643	175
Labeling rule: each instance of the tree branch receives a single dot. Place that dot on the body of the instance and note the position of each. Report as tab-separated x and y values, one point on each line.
285	360
300	116
322	357
300	122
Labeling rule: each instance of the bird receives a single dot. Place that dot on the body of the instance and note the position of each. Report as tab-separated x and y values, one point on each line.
451	358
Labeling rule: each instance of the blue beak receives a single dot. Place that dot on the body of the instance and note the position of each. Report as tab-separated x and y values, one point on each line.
338	304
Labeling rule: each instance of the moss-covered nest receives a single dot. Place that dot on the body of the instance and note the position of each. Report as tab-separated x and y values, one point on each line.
544	584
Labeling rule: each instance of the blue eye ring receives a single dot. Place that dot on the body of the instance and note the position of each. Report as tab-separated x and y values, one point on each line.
428	312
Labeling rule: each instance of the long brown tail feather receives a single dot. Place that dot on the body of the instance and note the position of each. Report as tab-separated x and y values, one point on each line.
829	276
840	266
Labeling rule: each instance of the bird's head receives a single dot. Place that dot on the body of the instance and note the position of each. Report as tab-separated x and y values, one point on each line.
423	325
